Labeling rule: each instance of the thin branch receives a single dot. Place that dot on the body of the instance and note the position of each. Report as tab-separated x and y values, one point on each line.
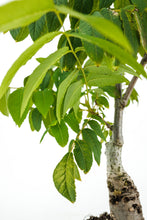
132	84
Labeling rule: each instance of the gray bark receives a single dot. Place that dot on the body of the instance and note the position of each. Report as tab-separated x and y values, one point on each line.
123	195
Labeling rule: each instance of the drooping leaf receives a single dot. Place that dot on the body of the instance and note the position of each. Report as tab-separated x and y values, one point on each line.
43	100
19	34
23	59
30	120
72	95
47	81
60	132
115	50
36	119
62	90
39	73
76	173
21	13
4	103
91	139
111	31
141	21
83	155
72	121
64	178
97	128
14	106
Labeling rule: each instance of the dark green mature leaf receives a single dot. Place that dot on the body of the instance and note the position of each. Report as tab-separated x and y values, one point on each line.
19	34
43	100
72	121
47	81
91	140
4	103
39	73
140	4
60	132
129	32
93	51
72	95
23	59
121	3
51	119
83	155
97	128
64	177
111	31
109	15
62	90
105	3
83	6
141	21
21	13
115	50
14	106
36	119
102	102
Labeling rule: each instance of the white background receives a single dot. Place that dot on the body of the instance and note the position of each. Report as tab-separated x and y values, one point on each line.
27	191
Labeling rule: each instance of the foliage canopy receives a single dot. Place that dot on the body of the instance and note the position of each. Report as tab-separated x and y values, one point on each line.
71	87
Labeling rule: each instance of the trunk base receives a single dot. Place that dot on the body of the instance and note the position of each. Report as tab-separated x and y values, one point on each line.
124	198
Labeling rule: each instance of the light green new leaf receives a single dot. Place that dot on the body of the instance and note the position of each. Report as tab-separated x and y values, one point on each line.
21	13
83	155
76	173
24	58
72	95
14	106
39	73
62	90
4	103
104	26
122	55
64	178
60	132
43	100
92	141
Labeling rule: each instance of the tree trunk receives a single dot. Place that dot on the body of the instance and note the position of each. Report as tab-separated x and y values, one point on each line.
123	194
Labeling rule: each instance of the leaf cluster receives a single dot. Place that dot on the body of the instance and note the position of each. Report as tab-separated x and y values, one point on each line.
71	88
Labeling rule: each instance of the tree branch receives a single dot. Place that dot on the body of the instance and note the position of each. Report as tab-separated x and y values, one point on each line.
132	84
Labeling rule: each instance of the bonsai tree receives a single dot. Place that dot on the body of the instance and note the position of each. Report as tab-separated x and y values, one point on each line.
71	88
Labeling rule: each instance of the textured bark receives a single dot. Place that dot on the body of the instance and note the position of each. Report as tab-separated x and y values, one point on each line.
123	195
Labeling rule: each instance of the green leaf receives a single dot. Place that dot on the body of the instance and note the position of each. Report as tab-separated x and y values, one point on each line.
51	119
72	95
36	119
19	34
64	178
97	128
141	21
140	4
4	103
60	132
14	105
93	51
91	140
121	3
103	76
115	50
39	73
23	59
111	31
76	173
72	121
129	32
30	120
102	102
43	100
105	3
83	155
62	90
21	13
